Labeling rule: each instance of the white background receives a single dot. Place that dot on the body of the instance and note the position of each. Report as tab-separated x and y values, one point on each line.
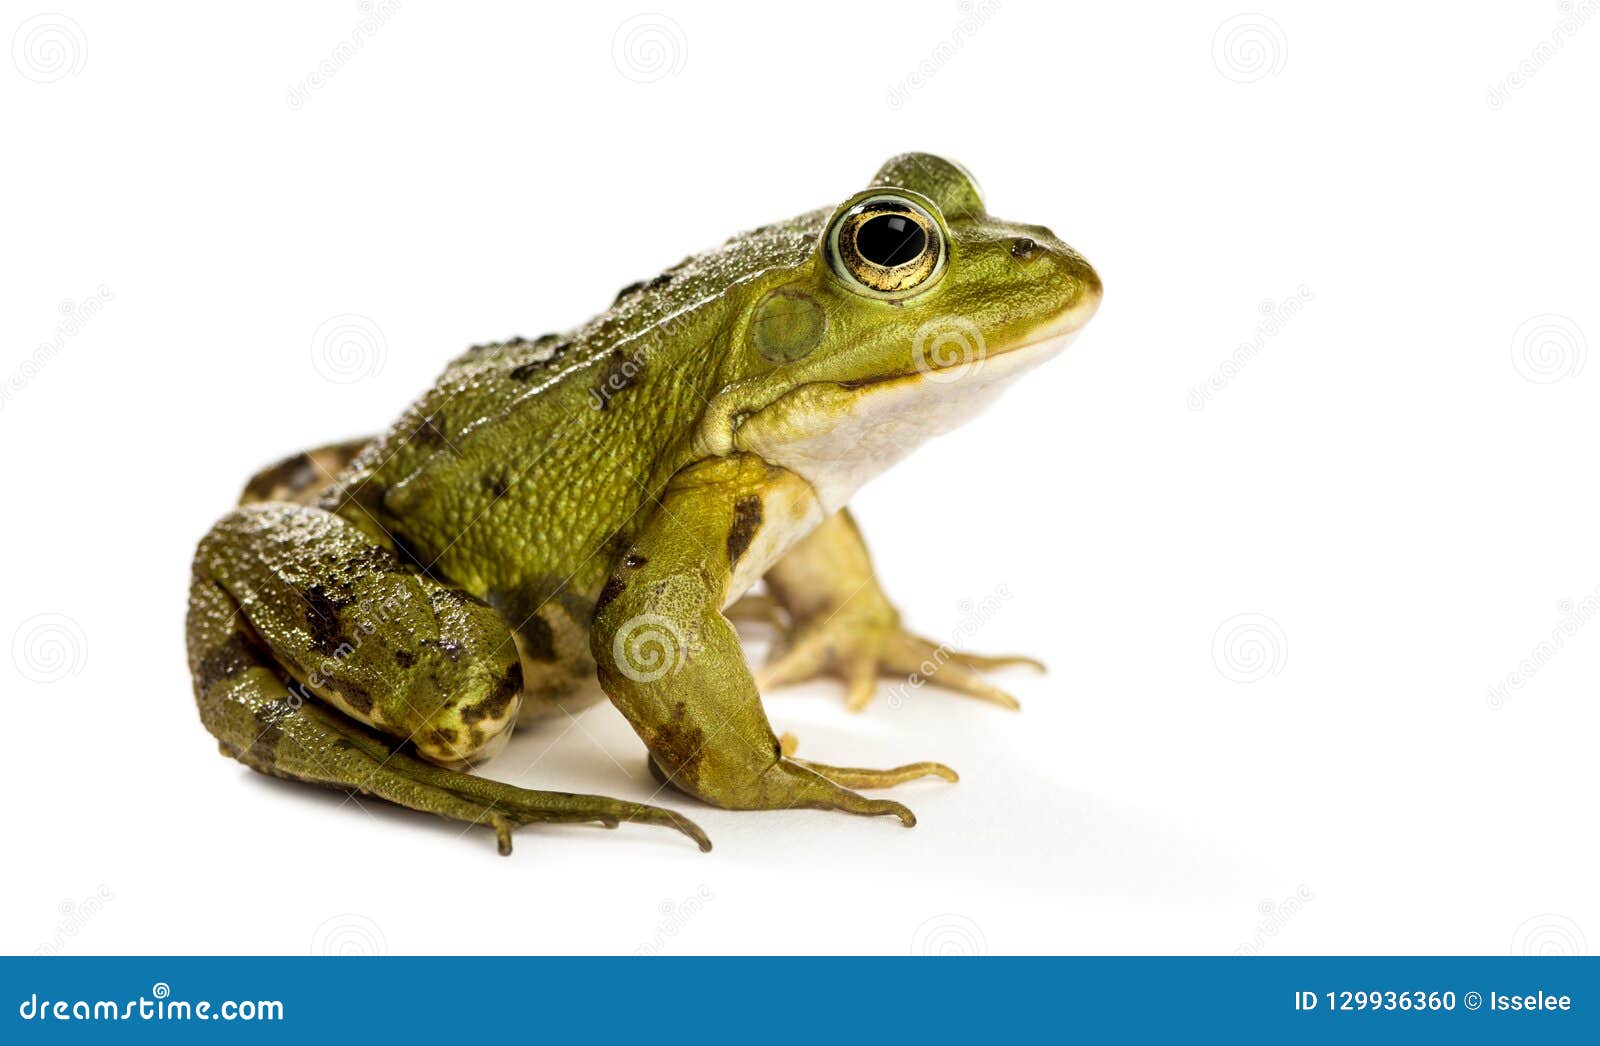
1394	485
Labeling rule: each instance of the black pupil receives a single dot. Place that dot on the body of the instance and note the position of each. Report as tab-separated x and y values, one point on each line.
890	240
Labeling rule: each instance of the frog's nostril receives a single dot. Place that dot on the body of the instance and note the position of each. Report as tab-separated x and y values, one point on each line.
1023	247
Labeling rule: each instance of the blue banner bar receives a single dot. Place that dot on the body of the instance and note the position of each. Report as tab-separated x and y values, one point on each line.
978	1001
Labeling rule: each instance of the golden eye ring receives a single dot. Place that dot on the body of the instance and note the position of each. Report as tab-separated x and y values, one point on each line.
886	246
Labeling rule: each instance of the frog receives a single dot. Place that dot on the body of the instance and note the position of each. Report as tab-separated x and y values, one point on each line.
592	514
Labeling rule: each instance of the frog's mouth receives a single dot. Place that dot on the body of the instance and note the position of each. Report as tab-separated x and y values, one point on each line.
839	435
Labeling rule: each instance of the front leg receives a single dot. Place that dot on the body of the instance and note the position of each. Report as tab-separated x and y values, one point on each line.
671	662
843	624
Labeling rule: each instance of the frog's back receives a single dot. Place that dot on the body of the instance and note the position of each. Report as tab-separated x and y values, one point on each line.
519	475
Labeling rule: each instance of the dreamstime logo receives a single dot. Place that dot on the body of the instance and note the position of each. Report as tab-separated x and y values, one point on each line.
1549	934
675	915
374	15
348	348
1573	617
1275	315
973	16
973	617
349	934
648	647
1573	17
1249	47
1275	915
1248	648
948	349
620	374
49	47
75	315
649	47
369	616
75	915
949	934
48	648
1547	348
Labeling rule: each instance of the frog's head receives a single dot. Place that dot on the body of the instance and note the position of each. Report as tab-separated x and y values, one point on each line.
911	310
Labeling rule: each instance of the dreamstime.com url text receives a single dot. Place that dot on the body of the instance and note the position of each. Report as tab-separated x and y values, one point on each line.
157	1006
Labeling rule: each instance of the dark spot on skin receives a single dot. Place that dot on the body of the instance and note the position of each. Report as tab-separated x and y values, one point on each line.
660	281
619	373
517	339
577	605
443	737
495	486
494	706
236	654
676	746
538	640
405	658
451	649
322	619
269	730
634	560
517	603
613	588
430	433
632	288
617	545
356	696
1023	247
746	521
548	355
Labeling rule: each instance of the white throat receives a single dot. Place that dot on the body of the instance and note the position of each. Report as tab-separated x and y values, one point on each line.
838	437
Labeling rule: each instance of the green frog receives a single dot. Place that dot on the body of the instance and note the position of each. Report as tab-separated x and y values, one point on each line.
598	504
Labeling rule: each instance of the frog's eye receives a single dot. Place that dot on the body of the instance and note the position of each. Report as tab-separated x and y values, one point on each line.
886	246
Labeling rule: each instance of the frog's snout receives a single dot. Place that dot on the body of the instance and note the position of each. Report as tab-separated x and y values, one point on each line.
1064	277
1090	291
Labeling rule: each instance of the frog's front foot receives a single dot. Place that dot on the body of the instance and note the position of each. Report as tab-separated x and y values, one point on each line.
860	644
785	781
671	662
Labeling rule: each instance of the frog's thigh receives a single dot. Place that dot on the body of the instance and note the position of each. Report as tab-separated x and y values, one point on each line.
671	662
414	659
841	623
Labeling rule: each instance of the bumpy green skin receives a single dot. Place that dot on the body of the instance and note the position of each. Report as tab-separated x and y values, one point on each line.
378	612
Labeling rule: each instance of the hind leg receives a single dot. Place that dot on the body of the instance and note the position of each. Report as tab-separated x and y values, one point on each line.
842	624
318	656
